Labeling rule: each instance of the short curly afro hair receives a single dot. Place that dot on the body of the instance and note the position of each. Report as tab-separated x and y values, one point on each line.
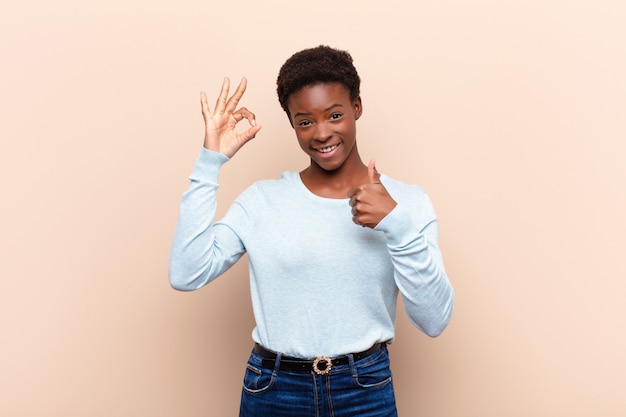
318	65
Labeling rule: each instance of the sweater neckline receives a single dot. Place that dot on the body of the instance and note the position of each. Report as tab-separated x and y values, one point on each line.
297	180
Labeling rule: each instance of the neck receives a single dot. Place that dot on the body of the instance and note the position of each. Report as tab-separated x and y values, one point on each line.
336	183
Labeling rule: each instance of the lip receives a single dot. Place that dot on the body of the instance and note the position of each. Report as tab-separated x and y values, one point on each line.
326	154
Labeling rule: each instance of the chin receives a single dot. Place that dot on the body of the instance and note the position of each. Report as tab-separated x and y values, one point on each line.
329	167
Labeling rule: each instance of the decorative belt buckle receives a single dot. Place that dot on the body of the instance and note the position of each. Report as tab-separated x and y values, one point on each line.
324	362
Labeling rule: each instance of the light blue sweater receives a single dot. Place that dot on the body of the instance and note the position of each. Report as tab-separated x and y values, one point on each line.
320	284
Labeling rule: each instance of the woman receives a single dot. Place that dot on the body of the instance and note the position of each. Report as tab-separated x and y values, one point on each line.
329	249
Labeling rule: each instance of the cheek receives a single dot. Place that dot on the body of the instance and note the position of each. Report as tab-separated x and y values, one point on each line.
349	131
302	141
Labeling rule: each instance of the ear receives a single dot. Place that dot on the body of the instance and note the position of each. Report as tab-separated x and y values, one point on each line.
357	106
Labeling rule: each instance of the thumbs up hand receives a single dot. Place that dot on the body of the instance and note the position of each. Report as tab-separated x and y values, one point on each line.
370	202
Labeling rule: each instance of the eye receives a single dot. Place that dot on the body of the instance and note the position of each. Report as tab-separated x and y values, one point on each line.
304	123
335	116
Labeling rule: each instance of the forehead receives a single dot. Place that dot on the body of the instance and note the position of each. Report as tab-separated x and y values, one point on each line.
318	97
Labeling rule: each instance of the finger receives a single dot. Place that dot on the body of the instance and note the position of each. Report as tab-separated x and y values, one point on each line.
244	113
223	97
372	172
204	104
352	192
250	133
251	118
231	105
355	220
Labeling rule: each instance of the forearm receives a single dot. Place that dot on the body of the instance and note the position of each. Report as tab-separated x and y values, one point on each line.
419	272
200	252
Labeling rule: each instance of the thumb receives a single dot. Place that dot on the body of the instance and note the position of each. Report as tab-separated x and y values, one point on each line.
372	172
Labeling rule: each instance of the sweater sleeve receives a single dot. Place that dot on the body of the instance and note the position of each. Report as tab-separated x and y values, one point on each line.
418	269
202	250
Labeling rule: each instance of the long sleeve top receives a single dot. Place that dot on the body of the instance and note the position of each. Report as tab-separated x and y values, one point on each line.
320	284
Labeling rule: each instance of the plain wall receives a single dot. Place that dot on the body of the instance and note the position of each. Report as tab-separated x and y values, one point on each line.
509	113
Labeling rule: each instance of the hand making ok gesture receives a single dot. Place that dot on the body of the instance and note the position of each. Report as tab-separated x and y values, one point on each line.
220	134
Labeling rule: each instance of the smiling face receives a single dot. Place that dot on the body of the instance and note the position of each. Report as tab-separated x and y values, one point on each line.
324	119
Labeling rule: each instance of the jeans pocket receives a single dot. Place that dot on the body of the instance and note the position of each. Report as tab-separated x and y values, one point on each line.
373	374
257	380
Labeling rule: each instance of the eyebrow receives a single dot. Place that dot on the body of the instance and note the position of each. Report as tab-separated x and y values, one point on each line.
326	109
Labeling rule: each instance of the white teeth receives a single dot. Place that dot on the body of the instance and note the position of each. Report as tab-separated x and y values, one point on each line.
327	149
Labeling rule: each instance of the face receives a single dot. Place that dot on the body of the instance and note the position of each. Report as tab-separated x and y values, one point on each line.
324	119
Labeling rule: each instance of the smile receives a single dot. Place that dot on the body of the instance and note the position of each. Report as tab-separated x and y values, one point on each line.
327	149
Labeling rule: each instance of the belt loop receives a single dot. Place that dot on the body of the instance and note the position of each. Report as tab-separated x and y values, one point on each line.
351	362
277	363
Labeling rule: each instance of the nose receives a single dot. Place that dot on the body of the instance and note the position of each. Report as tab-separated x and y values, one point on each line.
323	132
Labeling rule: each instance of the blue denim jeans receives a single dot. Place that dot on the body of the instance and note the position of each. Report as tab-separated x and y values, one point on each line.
361	388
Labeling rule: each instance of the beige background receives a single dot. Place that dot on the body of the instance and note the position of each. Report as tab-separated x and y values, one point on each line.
509	113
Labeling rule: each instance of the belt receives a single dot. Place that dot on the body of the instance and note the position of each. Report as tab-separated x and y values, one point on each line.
320	365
